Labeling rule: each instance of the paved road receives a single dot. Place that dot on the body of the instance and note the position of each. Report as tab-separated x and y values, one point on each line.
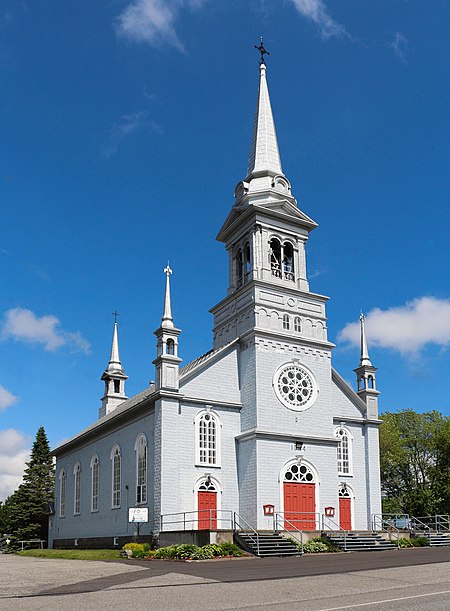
410	580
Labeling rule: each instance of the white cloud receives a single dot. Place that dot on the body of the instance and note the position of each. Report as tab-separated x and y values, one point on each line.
399	45
153	21
23	325
14	452
126	127
317	12
6	398
407	329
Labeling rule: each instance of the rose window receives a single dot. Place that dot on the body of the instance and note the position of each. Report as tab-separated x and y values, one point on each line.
295	387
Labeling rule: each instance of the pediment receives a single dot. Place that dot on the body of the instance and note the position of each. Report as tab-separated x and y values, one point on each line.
273	208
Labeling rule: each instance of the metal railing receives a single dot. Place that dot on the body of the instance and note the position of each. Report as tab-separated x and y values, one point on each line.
418	524
401	521
303	520
378	524
39	541
277	518
338	530
249	530
438	523
203	519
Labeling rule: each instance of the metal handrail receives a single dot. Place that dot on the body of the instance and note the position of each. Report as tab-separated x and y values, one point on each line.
275	528
423	525
339	529
236	522
385	526
300	520
220	515
395	518
439	521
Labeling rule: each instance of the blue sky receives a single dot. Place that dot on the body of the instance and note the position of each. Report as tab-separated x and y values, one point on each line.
125	126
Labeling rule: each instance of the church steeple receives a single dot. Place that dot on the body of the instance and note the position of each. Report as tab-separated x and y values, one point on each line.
264	154
167	360
114	377
366	374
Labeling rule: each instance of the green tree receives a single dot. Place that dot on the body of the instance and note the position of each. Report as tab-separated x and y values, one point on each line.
415	461
28	505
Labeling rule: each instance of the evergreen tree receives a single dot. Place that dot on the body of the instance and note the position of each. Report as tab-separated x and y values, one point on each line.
28	505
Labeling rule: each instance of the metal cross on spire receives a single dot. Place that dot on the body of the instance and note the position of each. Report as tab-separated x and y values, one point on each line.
115	314
167	269
262	50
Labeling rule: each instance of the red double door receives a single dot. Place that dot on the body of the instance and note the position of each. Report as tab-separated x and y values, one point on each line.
207	510
300	506
345	513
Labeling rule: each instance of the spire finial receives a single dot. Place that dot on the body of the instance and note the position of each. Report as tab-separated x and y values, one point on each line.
365	359
167	320
263	52
115	314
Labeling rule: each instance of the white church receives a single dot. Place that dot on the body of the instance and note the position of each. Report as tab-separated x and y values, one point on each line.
258	429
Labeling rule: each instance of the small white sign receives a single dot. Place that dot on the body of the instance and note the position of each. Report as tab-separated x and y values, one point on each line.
138	514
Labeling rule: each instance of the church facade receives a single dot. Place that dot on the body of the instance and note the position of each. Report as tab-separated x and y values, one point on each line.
262	419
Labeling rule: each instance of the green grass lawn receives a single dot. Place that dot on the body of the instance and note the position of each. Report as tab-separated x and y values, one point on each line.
73	554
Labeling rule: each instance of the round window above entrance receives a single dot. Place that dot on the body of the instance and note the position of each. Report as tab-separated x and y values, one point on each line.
295	386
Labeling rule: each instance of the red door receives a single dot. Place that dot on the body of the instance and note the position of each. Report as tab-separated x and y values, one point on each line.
207	514
345	513
300	506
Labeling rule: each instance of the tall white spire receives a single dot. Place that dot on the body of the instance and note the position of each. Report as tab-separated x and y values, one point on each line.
114	359
167	319
365	359
264	153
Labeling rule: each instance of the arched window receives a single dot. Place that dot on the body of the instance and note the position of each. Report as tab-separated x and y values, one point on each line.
208	438
62	493
141	469
344	492
275	257
286	322
248	260
297	324
94	483
344	451
170	346
116	460
371	382
77	489
288	261
207	485
361	383
117	386
239	268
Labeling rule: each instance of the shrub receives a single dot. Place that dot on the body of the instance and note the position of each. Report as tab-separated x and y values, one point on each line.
215	549
403	542
314	547
202	553
186	550
138	550
230	549
167	552
420	541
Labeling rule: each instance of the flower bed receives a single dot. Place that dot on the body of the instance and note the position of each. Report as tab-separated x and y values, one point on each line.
182	552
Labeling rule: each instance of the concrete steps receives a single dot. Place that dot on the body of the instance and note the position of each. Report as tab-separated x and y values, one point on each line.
355	542
436	539
269	545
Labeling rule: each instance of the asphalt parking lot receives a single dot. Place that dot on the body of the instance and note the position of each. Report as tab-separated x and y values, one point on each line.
408	579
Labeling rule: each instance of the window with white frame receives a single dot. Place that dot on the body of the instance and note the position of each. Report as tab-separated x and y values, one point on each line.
141	469
208	439
77	490
116	476
62	493
94	483
344	451
297	324
286	322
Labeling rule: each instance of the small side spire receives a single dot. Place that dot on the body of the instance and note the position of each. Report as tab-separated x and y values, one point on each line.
264	153
365	359
167	319
114	377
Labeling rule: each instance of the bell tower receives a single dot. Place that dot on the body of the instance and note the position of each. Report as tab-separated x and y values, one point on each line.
366	375
167	361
